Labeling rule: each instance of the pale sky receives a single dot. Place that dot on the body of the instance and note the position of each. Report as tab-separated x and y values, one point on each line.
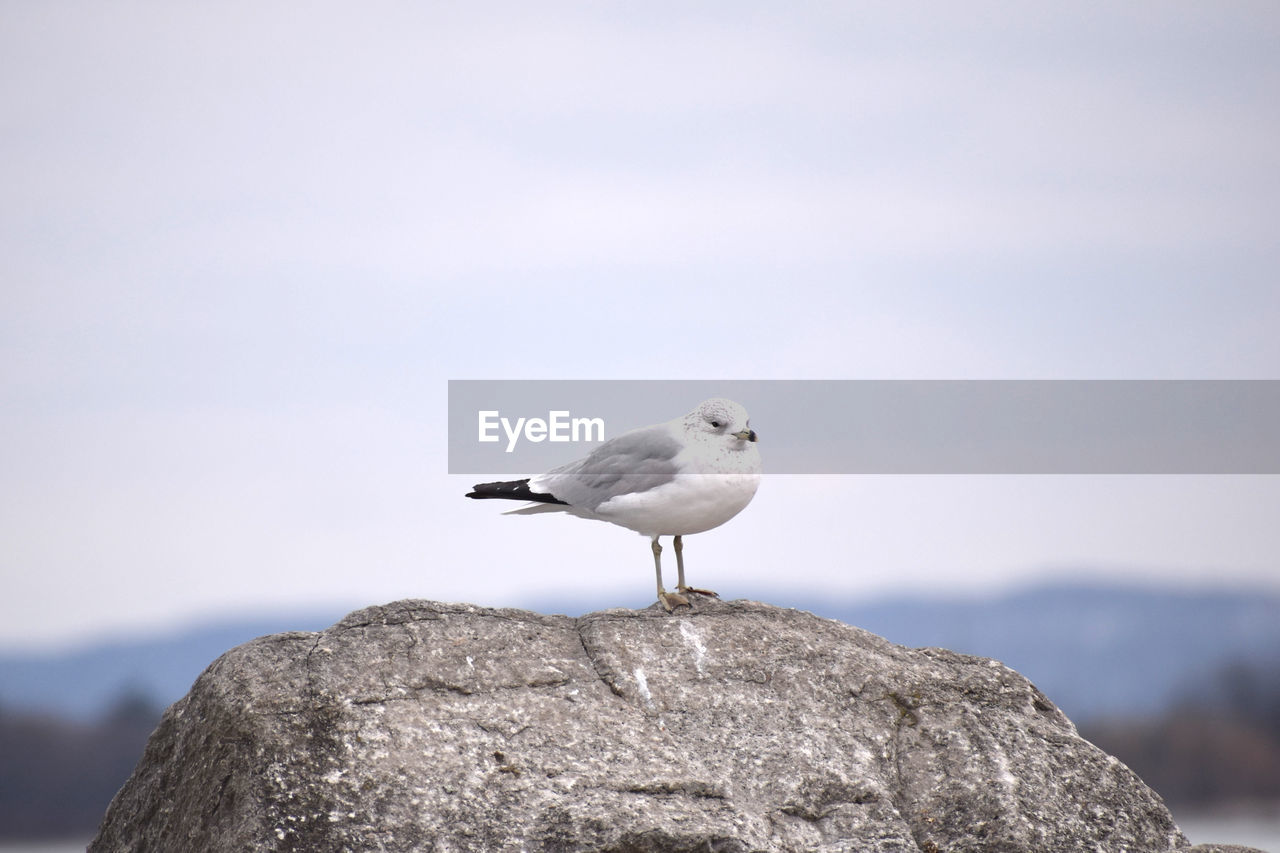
245	247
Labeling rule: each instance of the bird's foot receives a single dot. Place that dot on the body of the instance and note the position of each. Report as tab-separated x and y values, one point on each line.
697	591
671	600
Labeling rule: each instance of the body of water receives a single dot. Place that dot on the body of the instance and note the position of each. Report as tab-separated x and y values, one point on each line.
1260	832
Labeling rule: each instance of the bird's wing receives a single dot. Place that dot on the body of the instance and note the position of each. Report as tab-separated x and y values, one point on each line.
635	461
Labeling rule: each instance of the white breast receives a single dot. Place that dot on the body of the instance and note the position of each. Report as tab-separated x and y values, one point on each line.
691	503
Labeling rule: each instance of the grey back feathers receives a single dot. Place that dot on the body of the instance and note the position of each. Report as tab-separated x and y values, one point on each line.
635	461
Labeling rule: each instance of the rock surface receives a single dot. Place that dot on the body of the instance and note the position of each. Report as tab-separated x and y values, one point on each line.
732	726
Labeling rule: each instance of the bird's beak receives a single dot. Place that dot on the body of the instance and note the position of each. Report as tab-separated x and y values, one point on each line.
746	435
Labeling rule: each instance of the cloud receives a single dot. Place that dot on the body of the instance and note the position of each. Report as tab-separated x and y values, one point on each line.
245	246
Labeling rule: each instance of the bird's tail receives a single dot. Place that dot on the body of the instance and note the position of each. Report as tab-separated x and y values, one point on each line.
511	490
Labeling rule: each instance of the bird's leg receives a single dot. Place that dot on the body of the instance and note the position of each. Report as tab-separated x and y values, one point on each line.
679	543
668	600
680	584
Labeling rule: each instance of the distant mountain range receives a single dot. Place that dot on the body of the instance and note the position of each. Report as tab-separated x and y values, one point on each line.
85	683
1096	651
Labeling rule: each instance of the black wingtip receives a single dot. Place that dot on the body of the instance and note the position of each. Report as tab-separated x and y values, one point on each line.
511	490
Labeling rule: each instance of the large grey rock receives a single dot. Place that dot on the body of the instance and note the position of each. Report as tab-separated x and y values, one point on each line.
729	727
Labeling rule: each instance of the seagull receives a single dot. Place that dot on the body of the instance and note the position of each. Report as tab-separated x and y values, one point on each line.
677	478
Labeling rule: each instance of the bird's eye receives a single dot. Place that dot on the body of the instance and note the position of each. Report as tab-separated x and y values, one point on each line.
716	424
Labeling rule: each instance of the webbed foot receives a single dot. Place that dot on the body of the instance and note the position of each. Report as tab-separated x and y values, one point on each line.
671	600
